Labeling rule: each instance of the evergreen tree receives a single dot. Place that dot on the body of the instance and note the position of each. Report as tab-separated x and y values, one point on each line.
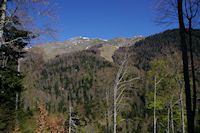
10	78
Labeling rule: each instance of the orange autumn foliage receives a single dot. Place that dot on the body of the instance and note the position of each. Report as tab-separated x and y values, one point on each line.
46	125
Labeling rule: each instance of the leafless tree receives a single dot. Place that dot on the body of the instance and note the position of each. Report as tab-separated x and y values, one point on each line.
28	13
119	88
72	124
170	9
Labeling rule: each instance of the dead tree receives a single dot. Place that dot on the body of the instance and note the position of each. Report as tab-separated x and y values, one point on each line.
72	122
119	88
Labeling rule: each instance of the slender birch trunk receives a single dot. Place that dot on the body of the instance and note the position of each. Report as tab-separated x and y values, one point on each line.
16	102
2	21
17	94
182	110
172	119
154	111
115	109
70	115
168	113
181	102
70	119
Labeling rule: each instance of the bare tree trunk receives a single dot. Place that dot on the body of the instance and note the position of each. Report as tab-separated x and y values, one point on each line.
117	99
171	112
182	110
154	111
17	94
2	21
168	113
115	109
190	120
16	104
119	88
70	115
181	101
70	119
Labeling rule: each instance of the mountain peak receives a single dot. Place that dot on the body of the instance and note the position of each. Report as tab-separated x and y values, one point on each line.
83	43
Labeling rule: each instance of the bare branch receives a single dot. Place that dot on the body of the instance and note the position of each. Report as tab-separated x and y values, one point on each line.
121	86
176	102
130	80
126	120
159	80
14	40
120	95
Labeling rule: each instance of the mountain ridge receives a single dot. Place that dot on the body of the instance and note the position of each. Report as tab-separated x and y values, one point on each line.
53	49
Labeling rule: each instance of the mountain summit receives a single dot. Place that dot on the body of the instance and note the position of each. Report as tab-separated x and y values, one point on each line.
83	43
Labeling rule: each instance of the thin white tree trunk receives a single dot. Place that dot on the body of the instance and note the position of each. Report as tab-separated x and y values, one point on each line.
154	111
16	101
172	119
168	120
70	116
181	102
182	111
17	94
3	19
115	100
115	109
119	78
119	88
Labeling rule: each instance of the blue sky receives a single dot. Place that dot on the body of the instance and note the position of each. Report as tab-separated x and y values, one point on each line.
106	19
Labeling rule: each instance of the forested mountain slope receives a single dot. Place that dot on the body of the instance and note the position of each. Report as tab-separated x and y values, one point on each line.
85	80
156	46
